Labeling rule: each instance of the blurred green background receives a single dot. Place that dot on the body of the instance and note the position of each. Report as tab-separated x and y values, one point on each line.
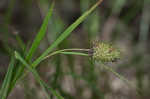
125	23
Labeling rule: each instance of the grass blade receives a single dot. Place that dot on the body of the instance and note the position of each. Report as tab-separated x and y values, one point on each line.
34	46
7	80
66	33
37	77
40	34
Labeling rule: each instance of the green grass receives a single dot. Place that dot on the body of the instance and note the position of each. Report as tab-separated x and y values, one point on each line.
37	77
65	34
60	53
6	83
13	77
34	45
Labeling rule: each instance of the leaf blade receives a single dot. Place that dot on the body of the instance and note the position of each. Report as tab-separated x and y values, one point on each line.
37	77
7	80
34	46
40	34
66	33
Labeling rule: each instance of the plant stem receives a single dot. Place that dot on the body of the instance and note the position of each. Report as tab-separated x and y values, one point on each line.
63	50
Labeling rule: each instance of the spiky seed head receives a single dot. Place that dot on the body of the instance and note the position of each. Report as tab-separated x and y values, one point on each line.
105	52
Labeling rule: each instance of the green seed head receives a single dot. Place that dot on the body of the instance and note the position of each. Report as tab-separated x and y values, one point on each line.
105	52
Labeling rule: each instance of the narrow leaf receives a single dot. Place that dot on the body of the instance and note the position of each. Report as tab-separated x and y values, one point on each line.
40	34
7	80
34	46
66	33
37	77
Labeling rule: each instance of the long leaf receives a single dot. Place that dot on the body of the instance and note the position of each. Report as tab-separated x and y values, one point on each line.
66	33
34	46
40	34
37	77
7	80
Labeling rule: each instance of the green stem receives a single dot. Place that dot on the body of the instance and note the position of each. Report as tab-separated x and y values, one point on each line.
64	50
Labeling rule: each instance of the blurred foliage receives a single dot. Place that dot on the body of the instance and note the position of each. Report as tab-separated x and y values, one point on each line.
125	23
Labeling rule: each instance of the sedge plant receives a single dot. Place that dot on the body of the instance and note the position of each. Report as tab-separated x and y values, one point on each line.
25	59
101	52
